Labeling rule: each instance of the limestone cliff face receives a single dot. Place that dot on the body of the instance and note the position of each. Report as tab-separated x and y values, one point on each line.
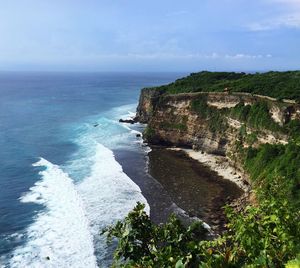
147	102
174	123
172	120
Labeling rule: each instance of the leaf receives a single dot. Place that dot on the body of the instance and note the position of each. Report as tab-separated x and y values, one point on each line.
274	218
179	264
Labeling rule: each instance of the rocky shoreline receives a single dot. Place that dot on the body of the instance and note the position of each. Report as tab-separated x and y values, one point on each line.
202	170
202	186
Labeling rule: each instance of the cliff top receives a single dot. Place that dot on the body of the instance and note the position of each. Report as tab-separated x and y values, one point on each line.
279	85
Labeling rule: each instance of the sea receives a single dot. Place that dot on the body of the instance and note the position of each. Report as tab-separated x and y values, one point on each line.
63	154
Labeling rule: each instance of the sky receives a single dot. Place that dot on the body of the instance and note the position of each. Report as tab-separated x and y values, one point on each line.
156	35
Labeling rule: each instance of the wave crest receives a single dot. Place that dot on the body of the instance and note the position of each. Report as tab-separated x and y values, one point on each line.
60	236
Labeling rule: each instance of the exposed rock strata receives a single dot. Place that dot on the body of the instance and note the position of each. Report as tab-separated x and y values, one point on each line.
172	121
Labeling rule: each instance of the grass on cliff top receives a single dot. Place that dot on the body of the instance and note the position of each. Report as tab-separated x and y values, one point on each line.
280	85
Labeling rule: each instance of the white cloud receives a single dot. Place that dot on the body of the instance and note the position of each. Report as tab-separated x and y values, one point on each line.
288	21
290	17
287	2
196	56
247	56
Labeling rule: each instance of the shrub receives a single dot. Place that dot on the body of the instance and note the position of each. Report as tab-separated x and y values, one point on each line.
256	115
144	244
214	117
149	133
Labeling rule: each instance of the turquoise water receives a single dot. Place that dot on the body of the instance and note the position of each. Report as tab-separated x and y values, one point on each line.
59	180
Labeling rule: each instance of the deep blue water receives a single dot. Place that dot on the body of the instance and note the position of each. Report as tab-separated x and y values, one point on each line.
70	120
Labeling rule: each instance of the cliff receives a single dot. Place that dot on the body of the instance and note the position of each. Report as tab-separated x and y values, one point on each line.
215	122
258	134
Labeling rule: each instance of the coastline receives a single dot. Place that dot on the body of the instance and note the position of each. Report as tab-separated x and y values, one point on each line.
201	185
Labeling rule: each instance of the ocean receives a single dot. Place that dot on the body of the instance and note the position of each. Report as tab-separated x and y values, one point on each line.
62	160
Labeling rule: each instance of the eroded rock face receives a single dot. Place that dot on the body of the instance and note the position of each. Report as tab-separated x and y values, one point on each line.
174	123
147	102
172	120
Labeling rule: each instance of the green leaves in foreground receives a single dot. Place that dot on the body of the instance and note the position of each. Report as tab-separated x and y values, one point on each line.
141	243
264	236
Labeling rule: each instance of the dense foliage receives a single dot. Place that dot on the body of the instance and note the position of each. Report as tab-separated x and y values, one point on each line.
264	236
144	244
274	84
149	133
275	171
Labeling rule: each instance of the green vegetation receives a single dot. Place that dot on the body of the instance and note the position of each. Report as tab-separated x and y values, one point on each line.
144	244
178	126
214	117
275	171
149	133
279	85
294	263
251	138
256	115
293	130
264	236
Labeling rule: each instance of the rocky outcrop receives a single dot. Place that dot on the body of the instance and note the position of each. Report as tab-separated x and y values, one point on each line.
129	121
147	103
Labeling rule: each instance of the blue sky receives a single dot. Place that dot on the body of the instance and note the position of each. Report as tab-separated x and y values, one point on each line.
156	35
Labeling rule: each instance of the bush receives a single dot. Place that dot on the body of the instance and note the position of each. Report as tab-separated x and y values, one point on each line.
144	244
263	235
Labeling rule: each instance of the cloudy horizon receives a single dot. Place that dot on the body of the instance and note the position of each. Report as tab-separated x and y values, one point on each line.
110	35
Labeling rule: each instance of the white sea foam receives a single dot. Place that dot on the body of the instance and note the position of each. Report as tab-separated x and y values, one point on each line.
108	194
133	131
60	235
131	114
126	111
